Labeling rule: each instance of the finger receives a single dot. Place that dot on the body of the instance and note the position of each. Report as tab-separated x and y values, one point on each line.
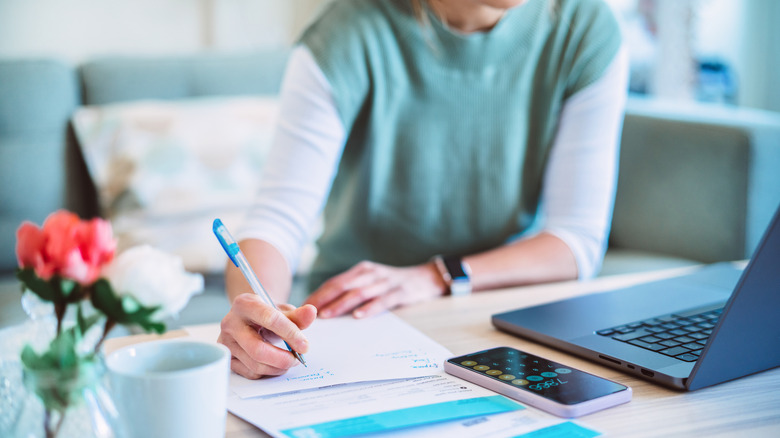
329	291
250	347
302	316
354	298
285	307
357	276
257	354
378	305
244	365
243	370
254	312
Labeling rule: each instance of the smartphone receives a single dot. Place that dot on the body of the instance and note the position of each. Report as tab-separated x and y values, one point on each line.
550	386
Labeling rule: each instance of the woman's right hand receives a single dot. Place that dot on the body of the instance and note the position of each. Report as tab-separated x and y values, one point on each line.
250	328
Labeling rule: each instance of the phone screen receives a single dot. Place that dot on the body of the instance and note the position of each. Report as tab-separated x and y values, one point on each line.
537	375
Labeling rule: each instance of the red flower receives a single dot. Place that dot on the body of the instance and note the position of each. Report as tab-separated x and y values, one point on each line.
66	246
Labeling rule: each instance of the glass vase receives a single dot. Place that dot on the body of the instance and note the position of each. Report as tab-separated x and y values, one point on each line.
68	406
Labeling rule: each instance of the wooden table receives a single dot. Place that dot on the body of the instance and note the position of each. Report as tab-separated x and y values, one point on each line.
747	407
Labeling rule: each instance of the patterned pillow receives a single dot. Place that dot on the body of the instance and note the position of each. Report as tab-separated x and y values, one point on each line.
165	169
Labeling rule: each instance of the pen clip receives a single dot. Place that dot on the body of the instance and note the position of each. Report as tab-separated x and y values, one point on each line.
226	240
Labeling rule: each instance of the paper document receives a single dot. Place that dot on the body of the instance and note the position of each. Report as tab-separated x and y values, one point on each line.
348	350
440	405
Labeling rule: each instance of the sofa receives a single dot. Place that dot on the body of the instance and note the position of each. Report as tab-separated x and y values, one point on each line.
697	183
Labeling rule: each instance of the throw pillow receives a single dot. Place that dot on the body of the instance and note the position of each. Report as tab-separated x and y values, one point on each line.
165	169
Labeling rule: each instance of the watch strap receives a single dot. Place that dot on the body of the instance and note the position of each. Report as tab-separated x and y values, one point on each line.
455	273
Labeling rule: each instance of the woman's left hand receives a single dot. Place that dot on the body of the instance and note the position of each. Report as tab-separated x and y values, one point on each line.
369	288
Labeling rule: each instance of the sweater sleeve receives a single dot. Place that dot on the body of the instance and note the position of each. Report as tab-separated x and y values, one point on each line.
580	180
591	45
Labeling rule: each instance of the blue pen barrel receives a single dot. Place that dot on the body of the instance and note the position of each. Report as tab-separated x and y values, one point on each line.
233	251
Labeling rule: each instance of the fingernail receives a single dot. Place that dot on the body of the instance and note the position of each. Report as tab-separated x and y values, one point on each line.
358	313
324	314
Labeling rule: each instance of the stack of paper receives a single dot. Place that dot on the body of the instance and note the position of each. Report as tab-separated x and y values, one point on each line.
375	375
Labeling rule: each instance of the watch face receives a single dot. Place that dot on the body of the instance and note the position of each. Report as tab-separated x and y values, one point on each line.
455	268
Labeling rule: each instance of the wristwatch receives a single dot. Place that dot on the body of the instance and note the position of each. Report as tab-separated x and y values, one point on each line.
455	273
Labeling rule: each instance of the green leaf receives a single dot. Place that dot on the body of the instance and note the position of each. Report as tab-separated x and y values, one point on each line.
63	348
67	286
61	355
35	284
59	374
32	360
104	299
124	310
130	304
67	291
152	326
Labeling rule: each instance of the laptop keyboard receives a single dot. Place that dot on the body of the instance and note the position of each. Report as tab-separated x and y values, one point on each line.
681	335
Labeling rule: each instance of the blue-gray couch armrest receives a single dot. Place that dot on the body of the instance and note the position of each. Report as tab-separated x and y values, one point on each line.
37	98
120	79
696	181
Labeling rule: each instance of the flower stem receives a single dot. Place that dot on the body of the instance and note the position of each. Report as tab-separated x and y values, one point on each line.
52	432
59	311
110	323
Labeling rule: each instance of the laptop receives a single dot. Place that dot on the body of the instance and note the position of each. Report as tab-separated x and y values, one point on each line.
713	325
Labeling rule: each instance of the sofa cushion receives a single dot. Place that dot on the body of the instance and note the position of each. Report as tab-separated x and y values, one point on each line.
165	170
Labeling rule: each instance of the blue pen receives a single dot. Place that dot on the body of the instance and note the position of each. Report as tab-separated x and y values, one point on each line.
237	257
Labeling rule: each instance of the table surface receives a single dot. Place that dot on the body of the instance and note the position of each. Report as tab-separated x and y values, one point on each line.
746	407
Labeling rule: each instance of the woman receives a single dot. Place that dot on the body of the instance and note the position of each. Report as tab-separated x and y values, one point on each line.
484	130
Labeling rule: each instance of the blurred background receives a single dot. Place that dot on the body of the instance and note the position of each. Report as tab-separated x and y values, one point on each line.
706	50
88	79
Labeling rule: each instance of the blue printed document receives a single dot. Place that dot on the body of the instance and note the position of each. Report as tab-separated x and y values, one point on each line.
372	407
440	405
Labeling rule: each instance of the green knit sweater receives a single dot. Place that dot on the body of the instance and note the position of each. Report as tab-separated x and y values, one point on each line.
447	134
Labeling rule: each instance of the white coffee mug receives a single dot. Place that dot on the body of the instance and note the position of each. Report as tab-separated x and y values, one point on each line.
171	388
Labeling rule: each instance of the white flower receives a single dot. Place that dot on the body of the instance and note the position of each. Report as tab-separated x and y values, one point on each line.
153	278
